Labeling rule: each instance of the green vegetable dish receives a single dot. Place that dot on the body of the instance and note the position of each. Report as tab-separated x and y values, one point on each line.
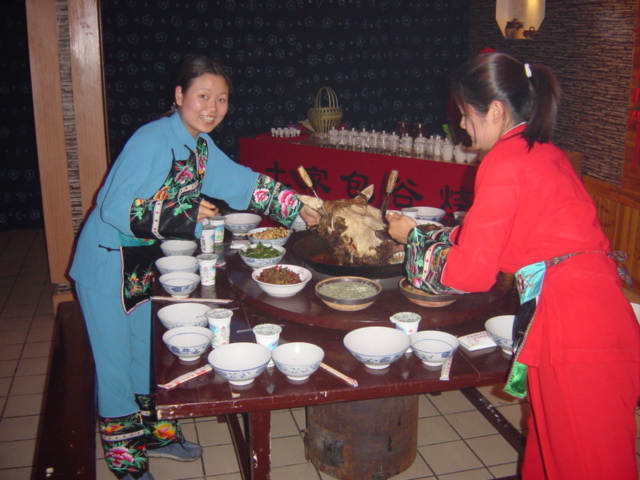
260	251
348	290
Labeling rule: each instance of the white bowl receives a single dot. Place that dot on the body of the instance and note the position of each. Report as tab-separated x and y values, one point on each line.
433	347
297	360
241	222
178	247
500	329
240	363
376	347
188	343
177	263
268	241
179	284
429	213
261	262
183	315
283	290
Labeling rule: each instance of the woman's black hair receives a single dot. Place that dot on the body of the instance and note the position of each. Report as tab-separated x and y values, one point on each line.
195	66
530	93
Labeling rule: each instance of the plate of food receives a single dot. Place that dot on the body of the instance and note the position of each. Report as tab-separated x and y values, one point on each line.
425	299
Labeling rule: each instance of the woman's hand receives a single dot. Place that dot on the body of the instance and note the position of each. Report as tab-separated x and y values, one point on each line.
207	210
310	216
400	226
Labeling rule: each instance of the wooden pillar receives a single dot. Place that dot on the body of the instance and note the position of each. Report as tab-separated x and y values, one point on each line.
65	49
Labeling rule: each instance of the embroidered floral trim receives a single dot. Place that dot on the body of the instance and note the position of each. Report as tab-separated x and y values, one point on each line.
178	197
275	200
427	252
123	442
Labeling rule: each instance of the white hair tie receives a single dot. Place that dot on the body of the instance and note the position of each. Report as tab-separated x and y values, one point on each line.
527	70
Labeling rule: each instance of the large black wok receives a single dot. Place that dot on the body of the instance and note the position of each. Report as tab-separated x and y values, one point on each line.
310	247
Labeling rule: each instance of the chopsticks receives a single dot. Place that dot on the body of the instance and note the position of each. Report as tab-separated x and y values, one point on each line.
307	181
391	182
199	300
351	381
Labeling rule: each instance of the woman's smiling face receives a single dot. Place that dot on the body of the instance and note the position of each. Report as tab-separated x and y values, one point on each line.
204	104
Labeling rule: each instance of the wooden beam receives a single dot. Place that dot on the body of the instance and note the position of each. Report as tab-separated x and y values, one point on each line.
88	95
50	135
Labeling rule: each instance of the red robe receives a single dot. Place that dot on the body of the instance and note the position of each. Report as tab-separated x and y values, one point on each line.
531	206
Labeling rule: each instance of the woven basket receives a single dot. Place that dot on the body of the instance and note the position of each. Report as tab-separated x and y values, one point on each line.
323	118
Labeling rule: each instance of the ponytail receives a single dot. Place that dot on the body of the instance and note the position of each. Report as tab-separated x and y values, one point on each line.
541	122
529	92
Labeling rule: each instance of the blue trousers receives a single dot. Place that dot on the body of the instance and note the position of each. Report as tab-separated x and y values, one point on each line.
121	346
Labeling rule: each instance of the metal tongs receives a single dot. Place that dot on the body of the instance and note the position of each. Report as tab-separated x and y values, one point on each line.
391	183
307	181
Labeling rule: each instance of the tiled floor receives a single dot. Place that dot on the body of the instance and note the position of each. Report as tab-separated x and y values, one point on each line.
454	441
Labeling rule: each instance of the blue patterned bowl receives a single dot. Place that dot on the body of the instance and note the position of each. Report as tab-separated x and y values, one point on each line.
188	343
177	263
261	262
297	360
433	347
179	284
269	231
432	214
376	347
500	329
184	315
241	222
178	247
240	363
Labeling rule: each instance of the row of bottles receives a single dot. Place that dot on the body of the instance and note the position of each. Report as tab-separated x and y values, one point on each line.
392	144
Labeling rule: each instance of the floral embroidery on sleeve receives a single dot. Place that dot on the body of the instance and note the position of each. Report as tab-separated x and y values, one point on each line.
275	200
427	253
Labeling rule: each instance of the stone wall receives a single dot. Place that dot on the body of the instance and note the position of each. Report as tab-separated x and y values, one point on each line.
589	45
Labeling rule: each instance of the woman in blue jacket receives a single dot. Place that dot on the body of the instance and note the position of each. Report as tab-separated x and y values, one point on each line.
153	192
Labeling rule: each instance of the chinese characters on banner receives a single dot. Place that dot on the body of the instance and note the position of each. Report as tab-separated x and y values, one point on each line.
340	174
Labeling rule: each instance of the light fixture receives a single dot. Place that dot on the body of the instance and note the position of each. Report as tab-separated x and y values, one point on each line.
519	19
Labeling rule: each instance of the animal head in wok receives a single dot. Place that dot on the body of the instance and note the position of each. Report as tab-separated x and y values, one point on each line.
353	230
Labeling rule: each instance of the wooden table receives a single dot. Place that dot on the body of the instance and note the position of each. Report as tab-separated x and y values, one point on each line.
210	395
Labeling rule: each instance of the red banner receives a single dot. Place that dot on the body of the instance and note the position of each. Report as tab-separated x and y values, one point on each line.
340	173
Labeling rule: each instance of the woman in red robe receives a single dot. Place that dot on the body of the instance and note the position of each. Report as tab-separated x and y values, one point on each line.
577	356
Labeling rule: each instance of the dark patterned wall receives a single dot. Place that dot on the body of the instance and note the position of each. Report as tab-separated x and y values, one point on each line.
589	45
20	199
387	60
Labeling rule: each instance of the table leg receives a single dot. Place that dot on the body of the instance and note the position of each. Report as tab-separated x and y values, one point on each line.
252	444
